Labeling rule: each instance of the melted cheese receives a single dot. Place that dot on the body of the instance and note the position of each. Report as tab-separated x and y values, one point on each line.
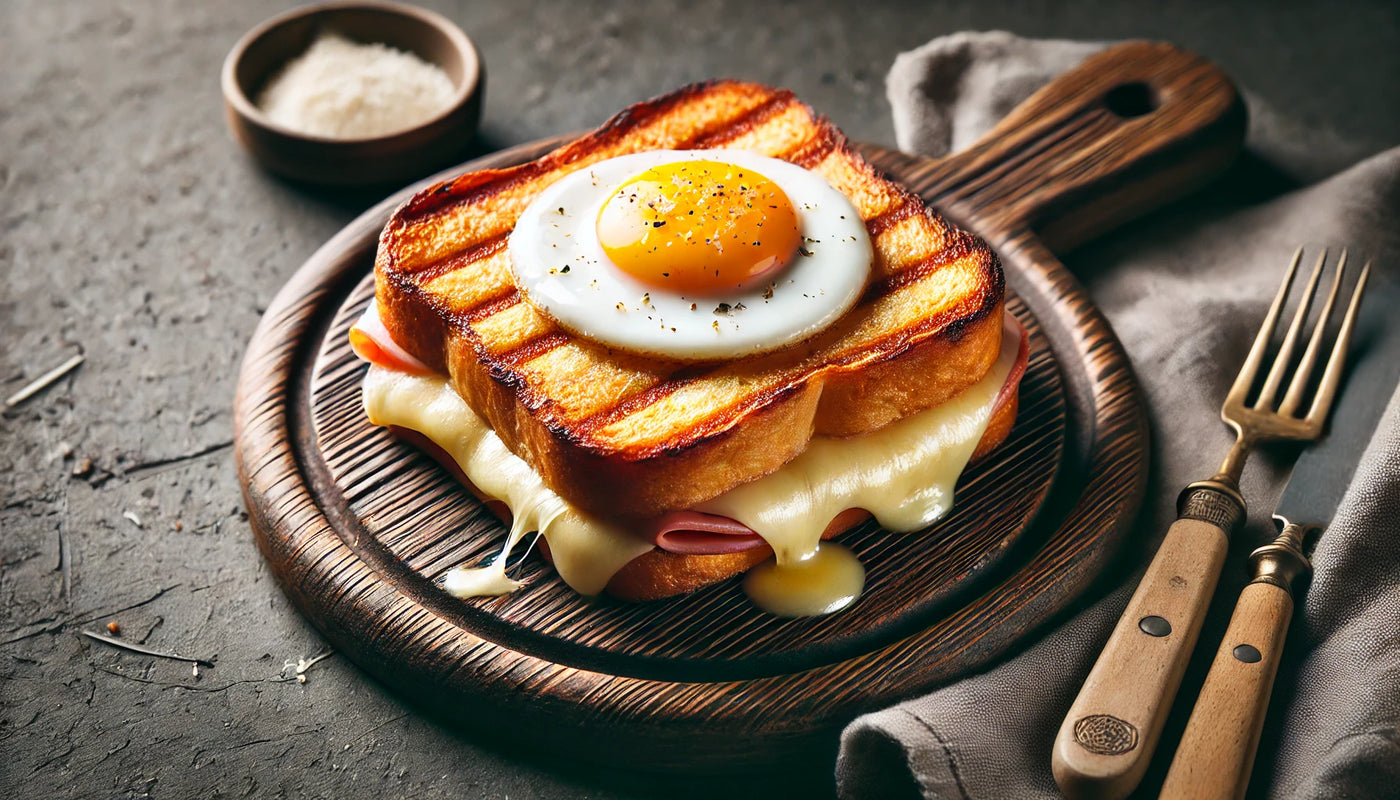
587	551
903	474
828	580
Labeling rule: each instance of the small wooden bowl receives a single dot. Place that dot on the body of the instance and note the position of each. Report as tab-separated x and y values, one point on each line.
397	157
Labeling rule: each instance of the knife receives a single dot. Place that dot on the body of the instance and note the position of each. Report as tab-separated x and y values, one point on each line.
1217	749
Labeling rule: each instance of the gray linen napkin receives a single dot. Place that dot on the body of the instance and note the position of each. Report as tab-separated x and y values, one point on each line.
1185	291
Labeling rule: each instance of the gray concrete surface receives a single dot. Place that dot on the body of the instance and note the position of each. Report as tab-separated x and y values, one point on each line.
134	231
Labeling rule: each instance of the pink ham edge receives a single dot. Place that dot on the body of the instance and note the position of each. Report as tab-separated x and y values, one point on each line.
1018	370
373	328
696	534
693	533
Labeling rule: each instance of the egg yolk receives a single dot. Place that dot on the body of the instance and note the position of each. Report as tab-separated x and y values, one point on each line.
699	227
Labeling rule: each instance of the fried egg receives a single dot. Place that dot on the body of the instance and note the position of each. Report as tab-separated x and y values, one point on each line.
692	254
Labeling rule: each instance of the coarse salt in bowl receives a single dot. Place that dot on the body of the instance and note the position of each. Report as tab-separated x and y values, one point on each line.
343	89
353	93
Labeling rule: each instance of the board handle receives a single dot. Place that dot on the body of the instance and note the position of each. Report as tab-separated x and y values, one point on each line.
1110	733
1127	131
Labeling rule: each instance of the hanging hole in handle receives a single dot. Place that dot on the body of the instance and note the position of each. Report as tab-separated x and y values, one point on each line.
1131	100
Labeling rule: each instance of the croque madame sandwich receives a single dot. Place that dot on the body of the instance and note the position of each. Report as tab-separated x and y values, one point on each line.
706	336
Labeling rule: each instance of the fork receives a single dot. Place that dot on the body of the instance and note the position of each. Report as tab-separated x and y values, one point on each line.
1108	737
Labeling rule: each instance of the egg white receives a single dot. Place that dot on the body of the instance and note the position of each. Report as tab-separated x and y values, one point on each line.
561	268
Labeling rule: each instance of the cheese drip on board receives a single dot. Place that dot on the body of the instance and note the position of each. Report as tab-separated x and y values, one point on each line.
826	581
587	551
903	474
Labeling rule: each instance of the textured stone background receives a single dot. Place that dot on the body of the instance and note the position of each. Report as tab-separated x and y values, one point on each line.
134	231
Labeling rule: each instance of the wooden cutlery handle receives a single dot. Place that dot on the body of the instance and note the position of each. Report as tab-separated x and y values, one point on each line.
1108	737
1216	753
1217	750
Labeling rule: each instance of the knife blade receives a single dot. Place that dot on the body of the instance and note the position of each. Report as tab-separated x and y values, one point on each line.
1324	471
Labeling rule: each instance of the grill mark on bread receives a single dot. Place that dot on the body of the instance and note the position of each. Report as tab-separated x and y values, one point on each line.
952	322
533	349
811	153
708	138
880	223
582	434
959	247
590	425
461	258
819	140
504	368
698	434
742	124
487	308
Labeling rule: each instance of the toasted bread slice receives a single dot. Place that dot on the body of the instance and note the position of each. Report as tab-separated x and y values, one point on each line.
620	434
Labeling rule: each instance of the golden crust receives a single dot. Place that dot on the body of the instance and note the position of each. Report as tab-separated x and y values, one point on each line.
620	434
658	574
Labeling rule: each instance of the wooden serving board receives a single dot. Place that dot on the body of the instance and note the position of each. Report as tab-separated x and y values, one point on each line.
359	526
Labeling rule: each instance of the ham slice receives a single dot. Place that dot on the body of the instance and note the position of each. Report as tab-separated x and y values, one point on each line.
681	532
371	341
1018	370
692	533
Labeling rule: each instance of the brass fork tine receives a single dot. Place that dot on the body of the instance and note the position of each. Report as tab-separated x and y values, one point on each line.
1290	340
1250	370
1333	374
1299	384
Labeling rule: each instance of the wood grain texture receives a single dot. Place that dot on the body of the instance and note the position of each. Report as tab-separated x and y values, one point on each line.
1216	754
345	516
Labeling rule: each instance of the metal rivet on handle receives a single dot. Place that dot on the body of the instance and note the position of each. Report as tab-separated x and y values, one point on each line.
1248	653
1154	626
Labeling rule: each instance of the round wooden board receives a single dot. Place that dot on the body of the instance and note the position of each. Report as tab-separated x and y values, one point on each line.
359	526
